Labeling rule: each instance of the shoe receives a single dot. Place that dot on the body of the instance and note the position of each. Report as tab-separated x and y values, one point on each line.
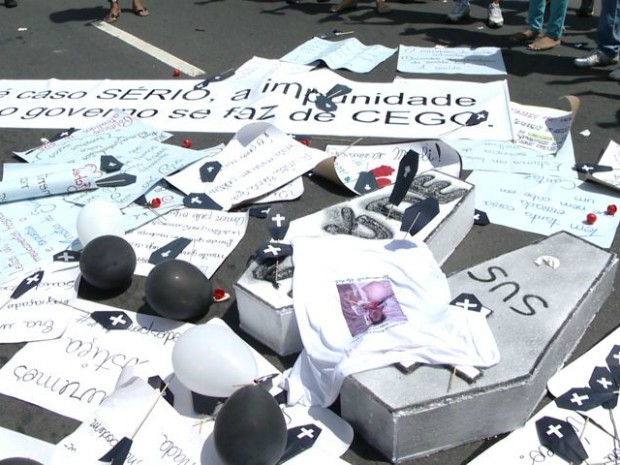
141	11
111	18
586	9
524	37
459	12
615	75
596	59
495	18
10	3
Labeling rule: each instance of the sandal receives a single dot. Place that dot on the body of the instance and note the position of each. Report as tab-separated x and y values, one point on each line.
382	7
524	37
543	43
141	11
111	18
343	5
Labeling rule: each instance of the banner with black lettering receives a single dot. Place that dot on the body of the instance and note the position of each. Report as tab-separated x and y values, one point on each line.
294	102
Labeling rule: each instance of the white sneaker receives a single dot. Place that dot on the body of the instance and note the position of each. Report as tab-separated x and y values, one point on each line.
495	18
596	59
459	12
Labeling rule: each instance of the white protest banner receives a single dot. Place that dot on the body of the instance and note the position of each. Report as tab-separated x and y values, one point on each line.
610	157
72	375
383	160
348	54
546	204
453	60
426	108
40	313
213	234
493	155
542	129
33	231
579	372
13	444
136	411
523	446
258	160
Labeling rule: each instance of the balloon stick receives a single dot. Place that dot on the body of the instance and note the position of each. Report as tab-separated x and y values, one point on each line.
452	374
411	227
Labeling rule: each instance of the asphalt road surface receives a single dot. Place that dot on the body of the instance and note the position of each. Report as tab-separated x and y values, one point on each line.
41	40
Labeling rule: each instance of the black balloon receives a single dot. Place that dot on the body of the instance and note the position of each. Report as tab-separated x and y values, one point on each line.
178	290
108	262
19	461
250	428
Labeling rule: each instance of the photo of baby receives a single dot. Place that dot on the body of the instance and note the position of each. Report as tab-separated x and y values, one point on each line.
367	304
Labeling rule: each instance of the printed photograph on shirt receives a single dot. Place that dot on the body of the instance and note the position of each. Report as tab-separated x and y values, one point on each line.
369	304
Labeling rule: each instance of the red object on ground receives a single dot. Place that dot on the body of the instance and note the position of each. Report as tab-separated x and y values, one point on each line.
591	218
612	209
186	144
306	142
220	294
155	202
176	72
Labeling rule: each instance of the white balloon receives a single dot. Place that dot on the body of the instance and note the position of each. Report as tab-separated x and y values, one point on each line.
213	361
99	218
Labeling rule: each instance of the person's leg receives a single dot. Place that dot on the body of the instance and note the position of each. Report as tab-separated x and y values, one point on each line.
114	13
557	14
535	15
608	31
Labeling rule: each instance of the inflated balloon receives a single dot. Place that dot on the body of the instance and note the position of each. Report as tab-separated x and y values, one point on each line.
250	428
178	290
19	461
99	218
212	360
108	262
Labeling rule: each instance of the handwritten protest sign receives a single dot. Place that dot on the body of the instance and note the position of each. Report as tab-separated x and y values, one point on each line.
31	231
492	155
213	235
348	54
163	438
545	204
258	160
453	60
72	375
539	128
350	161
523	445
578	373
116	127
40	313
610	157
427	108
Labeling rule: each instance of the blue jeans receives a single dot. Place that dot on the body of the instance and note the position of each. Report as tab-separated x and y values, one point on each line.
557	13
608	31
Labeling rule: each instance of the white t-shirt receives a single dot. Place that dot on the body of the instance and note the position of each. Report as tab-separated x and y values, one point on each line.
362	304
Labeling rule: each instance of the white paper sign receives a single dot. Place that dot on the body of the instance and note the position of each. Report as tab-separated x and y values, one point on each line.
546	204
383	160
348	54
214	235
522	447
39	314
492	155
578	373
163	438
74	374
541	129
257	161
454	60
611	157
